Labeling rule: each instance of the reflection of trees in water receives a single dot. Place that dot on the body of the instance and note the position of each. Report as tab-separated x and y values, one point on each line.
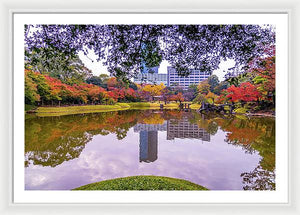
50	141
253	135
259	179
205	122
256	134
62	149
212	128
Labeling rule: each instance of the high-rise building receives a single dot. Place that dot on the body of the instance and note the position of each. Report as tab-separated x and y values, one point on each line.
148	146
195	77
151	78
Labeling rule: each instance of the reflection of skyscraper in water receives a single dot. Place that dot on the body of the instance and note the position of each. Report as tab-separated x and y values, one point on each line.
184	129
149	140
148	146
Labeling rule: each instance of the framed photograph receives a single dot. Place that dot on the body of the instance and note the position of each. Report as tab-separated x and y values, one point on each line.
150	107
118	102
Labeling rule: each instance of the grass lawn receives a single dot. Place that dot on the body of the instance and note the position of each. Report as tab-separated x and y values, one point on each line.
142	183
58	111
67	110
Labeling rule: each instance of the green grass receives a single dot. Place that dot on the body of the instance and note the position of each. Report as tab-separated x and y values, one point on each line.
139	104
123	105
143	183
58	111
151	105
67	110
172	105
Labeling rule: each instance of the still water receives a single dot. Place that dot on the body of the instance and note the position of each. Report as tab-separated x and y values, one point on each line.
218	152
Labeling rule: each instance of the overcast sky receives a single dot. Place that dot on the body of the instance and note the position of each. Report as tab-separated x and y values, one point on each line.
97	68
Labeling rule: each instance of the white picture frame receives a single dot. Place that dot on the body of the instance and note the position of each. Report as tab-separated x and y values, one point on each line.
9	207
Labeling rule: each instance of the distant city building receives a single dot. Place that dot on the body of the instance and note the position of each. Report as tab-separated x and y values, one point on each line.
195	77
184	129
148	146
151	78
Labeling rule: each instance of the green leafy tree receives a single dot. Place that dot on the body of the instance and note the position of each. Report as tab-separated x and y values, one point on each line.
43	89
94	80
204	87
31	92
221	86
200	99
213	81
63	65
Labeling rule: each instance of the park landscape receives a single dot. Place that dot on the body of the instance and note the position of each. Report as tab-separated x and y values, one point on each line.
132	127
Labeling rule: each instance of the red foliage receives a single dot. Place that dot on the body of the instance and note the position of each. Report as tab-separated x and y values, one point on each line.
177	97
245	92
83	92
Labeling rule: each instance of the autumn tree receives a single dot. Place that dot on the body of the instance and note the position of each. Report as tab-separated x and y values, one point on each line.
204	87
166	95
43	89
153	90
265	78
246	92
178	98
211	97
130	94
31	92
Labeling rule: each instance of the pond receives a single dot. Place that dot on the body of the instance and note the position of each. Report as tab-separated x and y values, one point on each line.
216	151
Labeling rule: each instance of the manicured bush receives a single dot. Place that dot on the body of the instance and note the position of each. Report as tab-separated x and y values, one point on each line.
143	183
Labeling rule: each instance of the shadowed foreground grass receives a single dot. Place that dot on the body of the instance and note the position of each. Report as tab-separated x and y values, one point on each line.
143	183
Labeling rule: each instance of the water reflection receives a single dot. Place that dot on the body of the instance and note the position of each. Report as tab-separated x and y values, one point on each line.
244	147
148	146
184	129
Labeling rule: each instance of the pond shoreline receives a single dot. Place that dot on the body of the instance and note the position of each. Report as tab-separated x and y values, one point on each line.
83	109
262	114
